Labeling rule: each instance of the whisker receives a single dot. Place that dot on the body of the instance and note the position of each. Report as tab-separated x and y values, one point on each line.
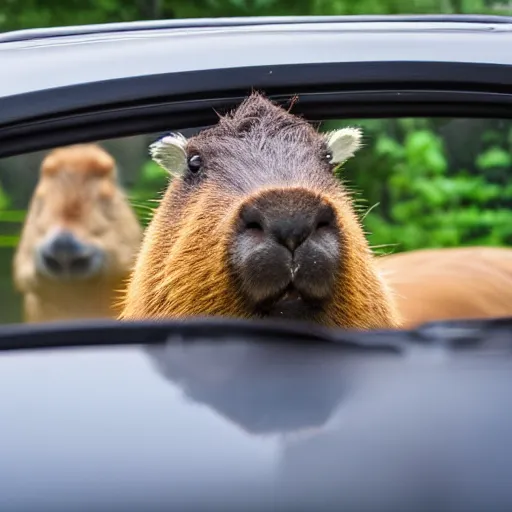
370	209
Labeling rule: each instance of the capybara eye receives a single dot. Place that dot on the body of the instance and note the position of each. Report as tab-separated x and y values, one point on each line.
195	163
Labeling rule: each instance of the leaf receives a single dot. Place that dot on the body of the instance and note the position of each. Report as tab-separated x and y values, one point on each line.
493	157
387	146
435	160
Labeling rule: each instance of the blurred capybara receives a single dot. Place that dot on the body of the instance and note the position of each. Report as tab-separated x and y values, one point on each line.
450	283
255	224
80	238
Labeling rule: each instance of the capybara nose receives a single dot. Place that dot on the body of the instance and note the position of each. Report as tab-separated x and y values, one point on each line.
64	254
288	228
287	249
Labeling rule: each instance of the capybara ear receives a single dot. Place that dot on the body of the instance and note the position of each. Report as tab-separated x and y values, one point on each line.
343	143
170	153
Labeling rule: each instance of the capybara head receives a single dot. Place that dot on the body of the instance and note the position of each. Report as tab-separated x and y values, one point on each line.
256	224
79	225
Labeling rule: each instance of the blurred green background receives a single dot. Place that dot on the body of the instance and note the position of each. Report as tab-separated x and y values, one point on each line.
16	14
419	182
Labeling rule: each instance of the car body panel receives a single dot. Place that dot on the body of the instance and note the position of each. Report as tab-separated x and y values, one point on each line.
106	428
98	423
78	59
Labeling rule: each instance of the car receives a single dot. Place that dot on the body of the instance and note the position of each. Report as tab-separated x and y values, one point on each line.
220	414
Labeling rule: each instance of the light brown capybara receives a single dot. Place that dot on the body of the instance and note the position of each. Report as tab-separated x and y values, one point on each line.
450	283
79	240
255	224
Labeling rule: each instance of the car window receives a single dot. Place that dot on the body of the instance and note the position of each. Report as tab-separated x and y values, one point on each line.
419	182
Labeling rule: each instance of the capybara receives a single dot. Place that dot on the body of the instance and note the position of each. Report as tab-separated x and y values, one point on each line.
255	224
79	240
450	283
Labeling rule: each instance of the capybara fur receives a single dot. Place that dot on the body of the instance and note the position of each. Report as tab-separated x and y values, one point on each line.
450	283
79	240
255	224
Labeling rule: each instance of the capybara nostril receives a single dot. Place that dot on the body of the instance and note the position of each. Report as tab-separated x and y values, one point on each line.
65	255
58	265
289	227
326	217
252	218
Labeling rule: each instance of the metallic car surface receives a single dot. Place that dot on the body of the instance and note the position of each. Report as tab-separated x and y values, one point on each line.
90	57
231	425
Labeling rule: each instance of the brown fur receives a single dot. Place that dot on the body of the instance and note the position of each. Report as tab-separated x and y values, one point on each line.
443	284
183	268
77	190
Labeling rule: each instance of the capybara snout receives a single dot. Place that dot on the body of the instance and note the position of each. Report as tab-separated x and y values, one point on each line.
62	255
285	252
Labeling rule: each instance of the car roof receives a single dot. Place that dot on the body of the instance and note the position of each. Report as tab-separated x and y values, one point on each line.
66	56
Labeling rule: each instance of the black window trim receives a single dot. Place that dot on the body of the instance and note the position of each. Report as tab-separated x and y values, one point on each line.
157	103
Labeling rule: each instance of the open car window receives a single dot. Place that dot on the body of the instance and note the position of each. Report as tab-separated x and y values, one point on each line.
419	183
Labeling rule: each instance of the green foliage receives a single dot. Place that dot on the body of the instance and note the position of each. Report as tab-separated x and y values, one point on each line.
493	157
18	14
418	198
5	200
9	217
151	180
24	14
